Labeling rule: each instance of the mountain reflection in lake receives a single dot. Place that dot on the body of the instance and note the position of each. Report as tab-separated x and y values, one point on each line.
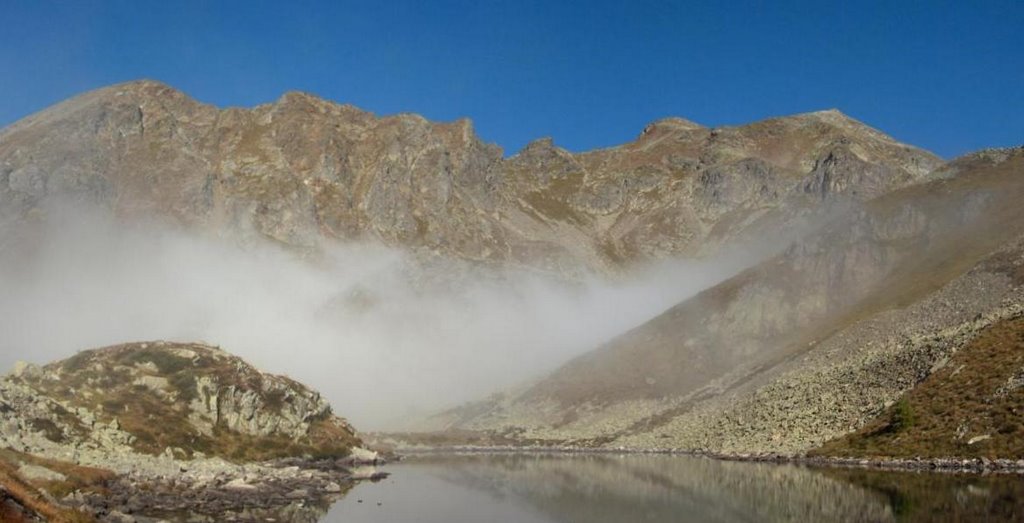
618	488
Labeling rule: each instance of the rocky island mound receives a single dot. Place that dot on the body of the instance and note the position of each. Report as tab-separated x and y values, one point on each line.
160	428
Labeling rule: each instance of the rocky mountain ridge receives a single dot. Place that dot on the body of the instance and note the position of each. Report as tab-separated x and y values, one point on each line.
302	170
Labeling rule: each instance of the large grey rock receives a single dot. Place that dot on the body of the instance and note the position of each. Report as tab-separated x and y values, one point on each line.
36	472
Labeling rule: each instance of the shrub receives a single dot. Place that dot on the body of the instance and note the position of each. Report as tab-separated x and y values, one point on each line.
48	428
273	401
77	362
185	383
902	416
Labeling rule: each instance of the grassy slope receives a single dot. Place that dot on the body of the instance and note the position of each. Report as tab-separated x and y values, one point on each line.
23	500
970	397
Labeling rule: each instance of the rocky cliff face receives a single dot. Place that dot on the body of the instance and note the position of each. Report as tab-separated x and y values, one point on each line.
177	400
303	170
805	345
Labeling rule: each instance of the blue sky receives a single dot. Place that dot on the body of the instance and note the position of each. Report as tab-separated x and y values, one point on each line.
947	76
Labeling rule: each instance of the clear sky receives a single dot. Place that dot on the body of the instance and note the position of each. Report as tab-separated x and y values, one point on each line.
947	76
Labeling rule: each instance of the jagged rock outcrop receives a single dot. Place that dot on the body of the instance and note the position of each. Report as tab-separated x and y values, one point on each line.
165	399
158	428
302	170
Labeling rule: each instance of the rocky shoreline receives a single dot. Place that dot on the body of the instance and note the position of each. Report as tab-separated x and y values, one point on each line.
951	464
948	464
299	488
303	490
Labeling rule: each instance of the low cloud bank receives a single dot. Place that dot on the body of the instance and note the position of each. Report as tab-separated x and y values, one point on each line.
360	323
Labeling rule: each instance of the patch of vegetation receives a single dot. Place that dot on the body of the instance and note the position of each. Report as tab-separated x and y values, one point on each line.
185	383
274	401
902	416
326	440
114	405
166	362
554	200
973	407
29	496
78	361
157	425
48	428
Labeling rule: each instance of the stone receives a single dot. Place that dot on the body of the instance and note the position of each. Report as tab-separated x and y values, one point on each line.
361	455
23	369
154	383
365	472
300	493
36	472
239	484
979	439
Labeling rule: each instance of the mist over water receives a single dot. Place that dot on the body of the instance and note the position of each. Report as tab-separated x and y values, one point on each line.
383	337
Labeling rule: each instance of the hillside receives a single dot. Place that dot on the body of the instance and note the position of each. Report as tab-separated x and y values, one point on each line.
185	400
161	428
969	407
804	346
29	485
301	171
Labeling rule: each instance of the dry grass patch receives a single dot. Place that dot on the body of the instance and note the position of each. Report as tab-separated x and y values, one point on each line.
973	407
32	501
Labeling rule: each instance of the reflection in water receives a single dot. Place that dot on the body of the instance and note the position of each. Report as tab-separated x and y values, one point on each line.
614	488
297	512
305	511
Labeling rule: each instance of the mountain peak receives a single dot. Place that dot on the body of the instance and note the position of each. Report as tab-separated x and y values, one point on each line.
833	115
144	87
670	124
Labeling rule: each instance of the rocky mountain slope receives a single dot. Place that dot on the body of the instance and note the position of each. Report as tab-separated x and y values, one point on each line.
805	346
969	407
160	427
303	170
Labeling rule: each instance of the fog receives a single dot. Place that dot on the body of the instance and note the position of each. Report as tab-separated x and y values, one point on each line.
361	323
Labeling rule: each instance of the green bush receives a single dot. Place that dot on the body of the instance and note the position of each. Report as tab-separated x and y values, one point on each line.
902	416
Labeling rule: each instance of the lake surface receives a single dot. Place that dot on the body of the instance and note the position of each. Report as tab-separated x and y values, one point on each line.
653	488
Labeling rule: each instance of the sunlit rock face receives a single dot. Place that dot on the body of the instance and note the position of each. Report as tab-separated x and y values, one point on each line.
159	398
301	170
